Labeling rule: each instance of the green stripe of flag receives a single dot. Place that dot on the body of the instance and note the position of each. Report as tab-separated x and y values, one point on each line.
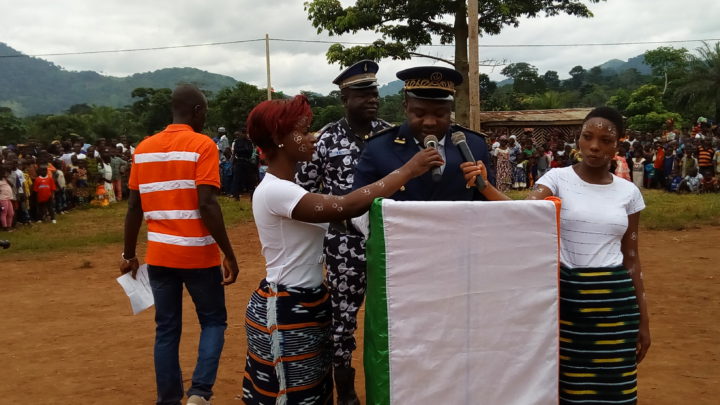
377	353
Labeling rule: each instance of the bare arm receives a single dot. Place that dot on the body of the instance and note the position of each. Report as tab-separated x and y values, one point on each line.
328	208
133	221
631	261
471	171
213	219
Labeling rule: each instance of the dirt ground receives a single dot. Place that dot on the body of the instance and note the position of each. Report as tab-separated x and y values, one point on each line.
68	334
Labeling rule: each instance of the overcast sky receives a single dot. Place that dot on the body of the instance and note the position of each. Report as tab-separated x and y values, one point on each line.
38	27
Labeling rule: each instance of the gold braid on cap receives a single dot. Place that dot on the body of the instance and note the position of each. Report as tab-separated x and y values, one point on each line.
360	78
428	84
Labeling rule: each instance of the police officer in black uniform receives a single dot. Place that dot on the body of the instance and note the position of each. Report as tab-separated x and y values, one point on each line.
331	172
428	106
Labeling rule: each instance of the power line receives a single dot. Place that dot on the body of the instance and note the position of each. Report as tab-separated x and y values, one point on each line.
310	41
157	48
598	43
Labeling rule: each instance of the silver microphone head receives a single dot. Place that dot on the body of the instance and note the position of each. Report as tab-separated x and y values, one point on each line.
457	137
430	141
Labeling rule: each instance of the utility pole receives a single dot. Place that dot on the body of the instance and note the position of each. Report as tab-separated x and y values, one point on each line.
267	63
474	65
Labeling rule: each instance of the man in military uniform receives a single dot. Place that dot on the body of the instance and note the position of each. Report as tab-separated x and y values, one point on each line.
331	171
428	104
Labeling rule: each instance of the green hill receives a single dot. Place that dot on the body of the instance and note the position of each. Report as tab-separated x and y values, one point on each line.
34	86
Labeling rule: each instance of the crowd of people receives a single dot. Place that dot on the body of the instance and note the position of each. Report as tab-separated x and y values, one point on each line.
674	160
41	181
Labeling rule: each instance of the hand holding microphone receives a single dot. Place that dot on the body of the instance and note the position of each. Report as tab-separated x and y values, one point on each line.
431	141
459	140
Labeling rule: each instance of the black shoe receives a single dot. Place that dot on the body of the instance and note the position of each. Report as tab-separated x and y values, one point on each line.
4	244
345	386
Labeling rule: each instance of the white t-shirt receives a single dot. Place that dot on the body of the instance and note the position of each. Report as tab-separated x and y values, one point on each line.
593	218
293	249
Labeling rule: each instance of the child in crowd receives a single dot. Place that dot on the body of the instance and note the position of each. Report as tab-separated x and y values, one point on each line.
709	183
44	187
7	212
226	172
81	182
520	173
622	169
688	162
691	182
60	197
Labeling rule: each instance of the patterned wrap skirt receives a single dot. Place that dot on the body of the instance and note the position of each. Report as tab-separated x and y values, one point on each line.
599	323
289	346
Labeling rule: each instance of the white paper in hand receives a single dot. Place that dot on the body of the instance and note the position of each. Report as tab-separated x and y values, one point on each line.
138	289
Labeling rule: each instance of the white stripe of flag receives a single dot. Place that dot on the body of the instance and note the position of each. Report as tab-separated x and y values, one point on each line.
166	157
180	240
167	186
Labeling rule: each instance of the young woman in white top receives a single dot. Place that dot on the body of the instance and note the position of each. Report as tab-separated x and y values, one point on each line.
288	316
604	328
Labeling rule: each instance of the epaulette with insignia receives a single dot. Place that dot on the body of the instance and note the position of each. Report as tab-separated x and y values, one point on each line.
455	127
374	135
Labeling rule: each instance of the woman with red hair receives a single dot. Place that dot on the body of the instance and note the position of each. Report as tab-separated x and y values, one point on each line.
288	316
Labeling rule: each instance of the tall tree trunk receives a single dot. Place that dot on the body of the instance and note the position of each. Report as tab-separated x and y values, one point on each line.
462	97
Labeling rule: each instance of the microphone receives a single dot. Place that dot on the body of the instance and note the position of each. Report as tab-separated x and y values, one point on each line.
431	141
459	140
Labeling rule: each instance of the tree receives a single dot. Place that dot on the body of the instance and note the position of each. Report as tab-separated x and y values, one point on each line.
595	75
702	82
667	62
552	80
547	100
12	129
57	127
233	104
646	111
577	77
153	108
525	78
487	87
405	25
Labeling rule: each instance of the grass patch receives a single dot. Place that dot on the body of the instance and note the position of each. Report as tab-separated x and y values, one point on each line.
85	228
672	211
669	211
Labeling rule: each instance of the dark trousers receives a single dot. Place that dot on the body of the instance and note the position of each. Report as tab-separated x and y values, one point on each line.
208	294
244	177
45	209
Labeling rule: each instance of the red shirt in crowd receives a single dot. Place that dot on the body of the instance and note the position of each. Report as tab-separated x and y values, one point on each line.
44	187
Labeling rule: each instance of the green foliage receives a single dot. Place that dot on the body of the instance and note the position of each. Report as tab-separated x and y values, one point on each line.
645	109
525	78
55	127
667	63
391	108
232	105
701	84
552	80
152	108
549	100
403	26
12	129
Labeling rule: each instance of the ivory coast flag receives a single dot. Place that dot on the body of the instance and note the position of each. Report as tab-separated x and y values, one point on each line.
462	303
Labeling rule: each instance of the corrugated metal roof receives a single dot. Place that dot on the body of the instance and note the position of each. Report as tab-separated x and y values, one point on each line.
569	115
